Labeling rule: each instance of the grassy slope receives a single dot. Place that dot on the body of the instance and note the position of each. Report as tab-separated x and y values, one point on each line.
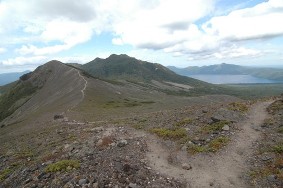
5	88
123	67
17	95
252	91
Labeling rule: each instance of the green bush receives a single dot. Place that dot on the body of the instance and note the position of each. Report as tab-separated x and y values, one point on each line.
63	165
176	133
278	148
238	107
4	173
218	143
183	122
217	126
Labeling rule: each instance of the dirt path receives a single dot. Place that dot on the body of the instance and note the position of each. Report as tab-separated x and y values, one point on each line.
222	170
85	84
82	90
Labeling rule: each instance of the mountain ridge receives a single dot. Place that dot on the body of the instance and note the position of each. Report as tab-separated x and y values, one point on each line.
231	69
6	78
129	68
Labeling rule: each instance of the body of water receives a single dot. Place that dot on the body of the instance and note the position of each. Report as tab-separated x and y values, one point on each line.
231	79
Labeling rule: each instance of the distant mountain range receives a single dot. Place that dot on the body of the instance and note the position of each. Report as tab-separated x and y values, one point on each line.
230	69
7	78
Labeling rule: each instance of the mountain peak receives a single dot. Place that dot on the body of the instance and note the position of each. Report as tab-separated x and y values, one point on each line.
124	67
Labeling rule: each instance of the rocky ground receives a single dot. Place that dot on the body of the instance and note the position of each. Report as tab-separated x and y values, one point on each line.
138	151
267	163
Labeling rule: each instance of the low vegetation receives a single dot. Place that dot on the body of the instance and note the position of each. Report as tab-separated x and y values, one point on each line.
216	126
4	173
125	103
14	98
64	165
278	148
175	133
238	107
218	143
213	146
184	122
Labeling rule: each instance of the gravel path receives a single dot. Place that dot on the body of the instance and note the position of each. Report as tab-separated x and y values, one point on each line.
223	169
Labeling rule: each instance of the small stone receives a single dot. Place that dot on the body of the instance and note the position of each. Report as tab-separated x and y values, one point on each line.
204	111
226	128
186	166
99	142
256	128
83	181
271	178
69	168
122	143
266	158
95	185
184	148
133	185
28	180
40	175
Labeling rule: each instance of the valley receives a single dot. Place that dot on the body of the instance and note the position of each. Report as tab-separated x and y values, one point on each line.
123	122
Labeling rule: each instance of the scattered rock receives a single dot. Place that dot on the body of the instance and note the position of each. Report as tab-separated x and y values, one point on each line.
83	181
271	178
223	114
95	185
226	128
266	158
204	111
58	116
122	143
133	185
104	142
186	166
184	148
28	180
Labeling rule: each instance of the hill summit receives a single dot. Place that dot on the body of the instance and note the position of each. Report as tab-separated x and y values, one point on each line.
124	67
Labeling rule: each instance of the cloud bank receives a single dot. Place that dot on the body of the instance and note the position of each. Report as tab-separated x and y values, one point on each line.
39	28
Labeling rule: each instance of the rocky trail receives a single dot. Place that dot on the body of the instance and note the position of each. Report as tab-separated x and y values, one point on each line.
85	84
224	169
117	154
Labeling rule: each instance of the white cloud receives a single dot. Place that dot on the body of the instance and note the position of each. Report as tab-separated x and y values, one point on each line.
31	49
2	50
161	26
46	27
262	20
227	53
24	60
67	31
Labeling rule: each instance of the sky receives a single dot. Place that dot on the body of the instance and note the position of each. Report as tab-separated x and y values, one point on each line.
179	33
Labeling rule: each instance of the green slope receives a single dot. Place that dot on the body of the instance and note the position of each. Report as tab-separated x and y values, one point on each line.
124	67
15	97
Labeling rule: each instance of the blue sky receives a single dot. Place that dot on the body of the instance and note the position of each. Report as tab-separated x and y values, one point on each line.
170	32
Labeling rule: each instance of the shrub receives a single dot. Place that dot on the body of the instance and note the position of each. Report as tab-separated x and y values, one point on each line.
4	173
176	133
63	165
184	122
278	148
239	107
218	143
216	126
197	149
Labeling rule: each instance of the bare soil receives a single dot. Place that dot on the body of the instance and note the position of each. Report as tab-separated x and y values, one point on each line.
224	169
